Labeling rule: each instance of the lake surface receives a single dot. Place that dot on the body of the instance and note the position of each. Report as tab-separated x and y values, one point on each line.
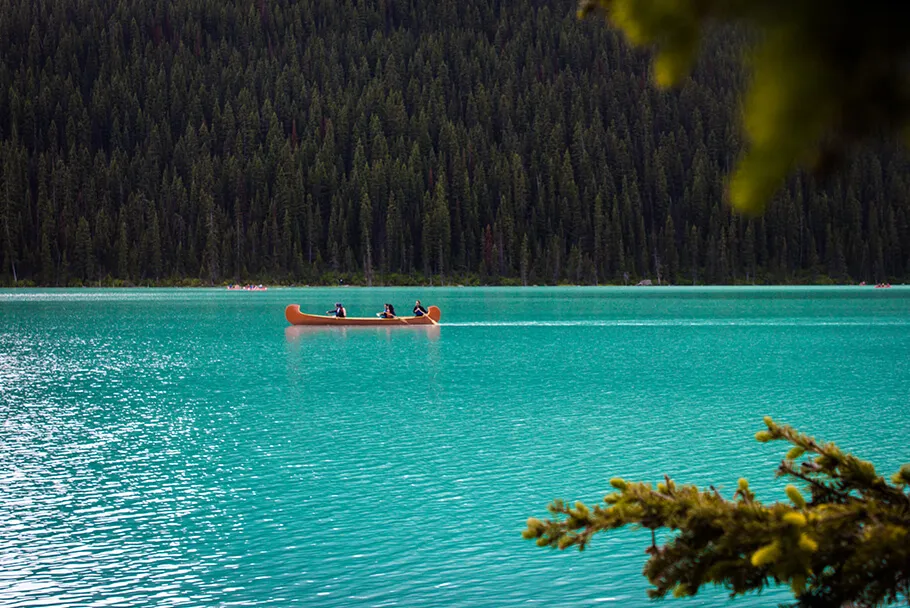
188	447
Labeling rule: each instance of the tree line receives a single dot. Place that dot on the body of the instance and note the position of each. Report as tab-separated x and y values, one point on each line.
384	141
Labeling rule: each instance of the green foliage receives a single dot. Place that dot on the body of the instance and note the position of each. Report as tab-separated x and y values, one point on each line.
499	142
823	76
847	544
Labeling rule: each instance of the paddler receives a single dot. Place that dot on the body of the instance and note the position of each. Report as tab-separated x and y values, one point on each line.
387	313
339	311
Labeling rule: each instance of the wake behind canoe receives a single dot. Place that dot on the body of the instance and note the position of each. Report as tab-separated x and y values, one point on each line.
295	317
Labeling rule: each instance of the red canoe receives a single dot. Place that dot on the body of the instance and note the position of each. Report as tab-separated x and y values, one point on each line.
295	317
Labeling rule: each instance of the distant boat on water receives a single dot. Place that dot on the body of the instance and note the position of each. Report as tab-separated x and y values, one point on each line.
295	317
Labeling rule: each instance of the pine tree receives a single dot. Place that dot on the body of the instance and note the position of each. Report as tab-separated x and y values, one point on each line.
437	234
525	260
723	258
83	265
366	236
123	253
748	253
154	249
394	252
574	268
286	261
694	254
601	229
670	255
201	197
8	217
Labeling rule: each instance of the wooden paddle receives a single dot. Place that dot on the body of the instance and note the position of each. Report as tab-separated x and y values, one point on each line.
427	315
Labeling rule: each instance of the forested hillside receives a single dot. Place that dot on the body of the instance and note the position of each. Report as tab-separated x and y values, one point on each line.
394	140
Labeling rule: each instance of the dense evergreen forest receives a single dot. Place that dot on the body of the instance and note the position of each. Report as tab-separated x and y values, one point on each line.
390	141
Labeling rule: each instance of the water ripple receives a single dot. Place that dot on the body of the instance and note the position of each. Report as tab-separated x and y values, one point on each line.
209	455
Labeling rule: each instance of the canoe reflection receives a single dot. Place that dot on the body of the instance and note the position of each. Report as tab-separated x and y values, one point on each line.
293	333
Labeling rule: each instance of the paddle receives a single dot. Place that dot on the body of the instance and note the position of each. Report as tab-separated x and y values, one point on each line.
426	314
404	319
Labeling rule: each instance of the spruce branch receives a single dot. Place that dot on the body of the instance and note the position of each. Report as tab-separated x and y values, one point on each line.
849	543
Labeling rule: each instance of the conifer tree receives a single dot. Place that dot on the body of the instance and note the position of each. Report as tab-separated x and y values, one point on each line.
394	251
527	131
154	247
82	259
123	253
366	236
670	255
525	260
844	545
8	218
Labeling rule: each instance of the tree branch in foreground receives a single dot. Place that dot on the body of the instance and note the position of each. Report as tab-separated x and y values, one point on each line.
848	544
824	75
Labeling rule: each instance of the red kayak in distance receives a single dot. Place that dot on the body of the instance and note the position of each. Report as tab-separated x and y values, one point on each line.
295	317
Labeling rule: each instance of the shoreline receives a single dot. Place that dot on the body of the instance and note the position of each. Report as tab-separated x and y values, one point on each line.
332	279
279	286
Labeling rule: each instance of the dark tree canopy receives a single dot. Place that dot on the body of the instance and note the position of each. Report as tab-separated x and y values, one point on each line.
394	140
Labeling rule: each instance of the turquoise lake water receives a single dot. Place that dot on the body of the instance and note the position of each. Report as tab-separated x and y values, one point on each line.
188	447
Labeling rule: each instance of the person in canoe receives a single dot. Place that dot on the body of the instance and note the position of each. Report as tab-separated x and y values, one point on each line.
339	311
387	313
419	310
